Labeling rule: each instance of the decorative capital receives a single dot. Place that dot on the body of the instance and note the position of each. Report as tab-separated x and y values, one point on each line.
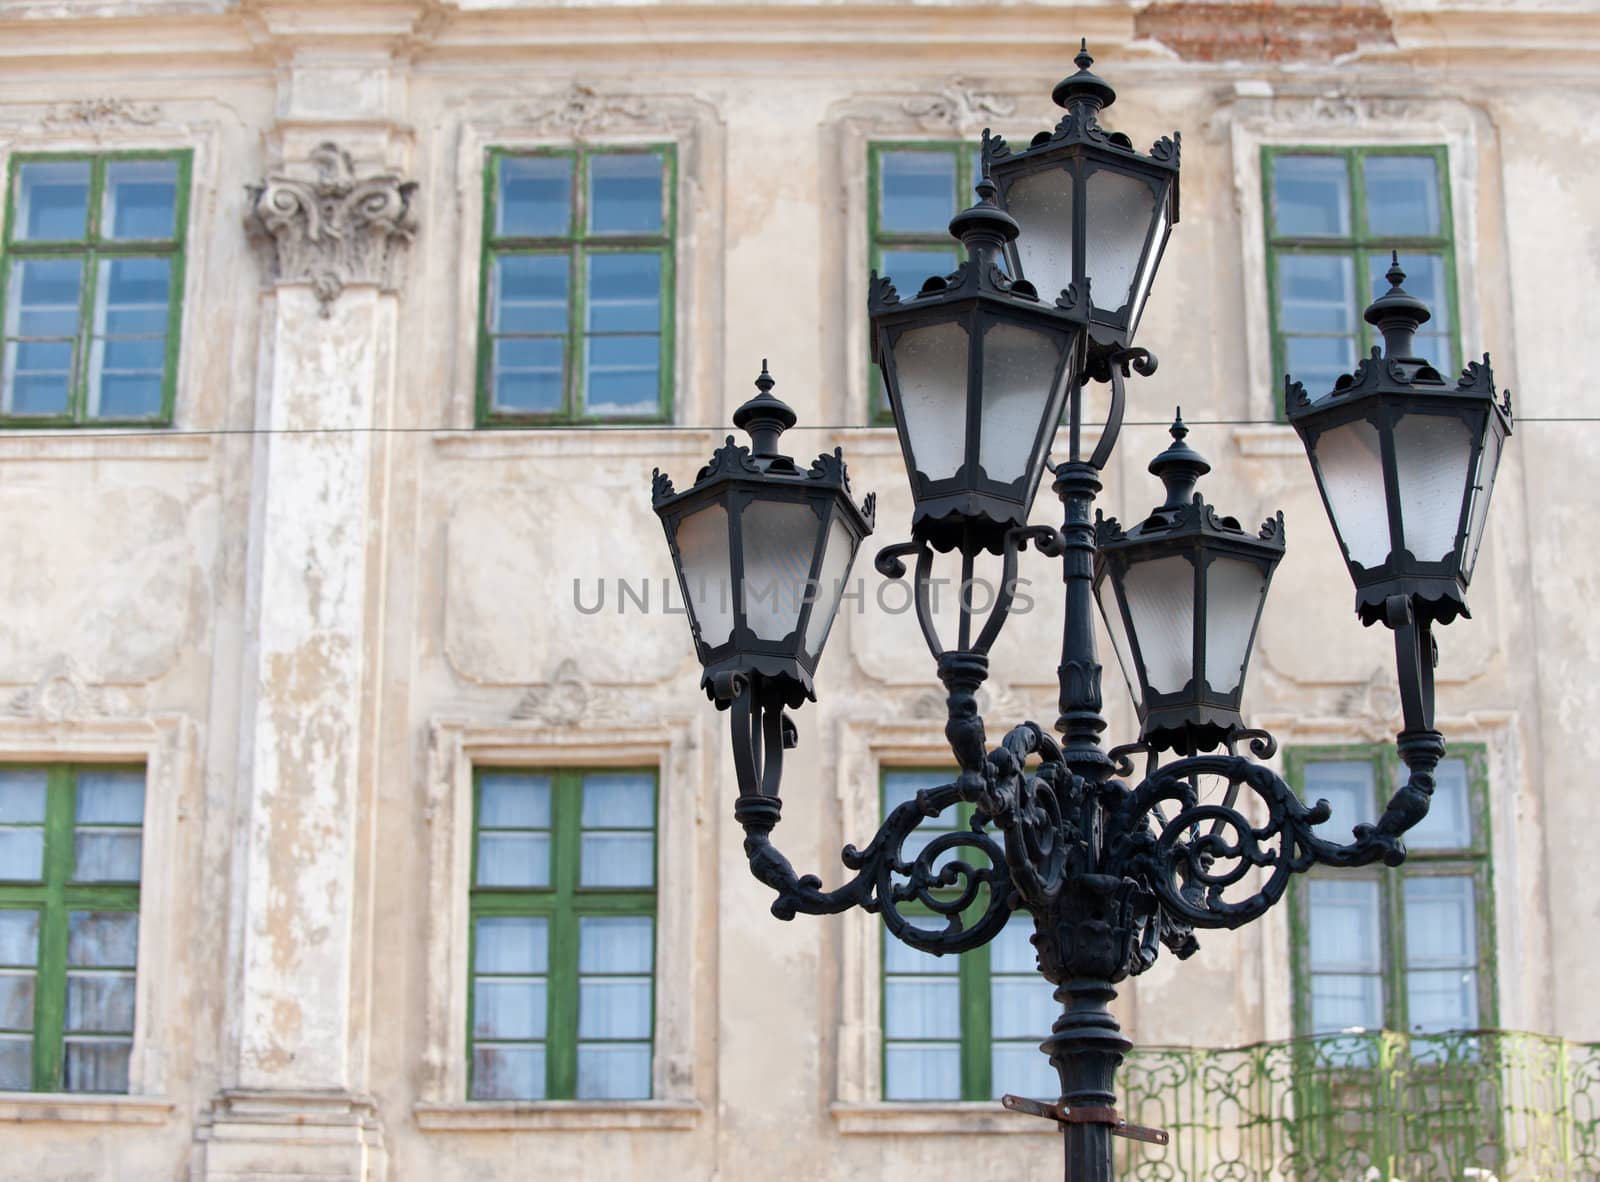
336	230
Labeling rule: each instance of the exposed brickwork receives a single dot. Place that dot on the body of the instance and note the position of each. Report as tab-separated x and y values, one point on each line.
1265	32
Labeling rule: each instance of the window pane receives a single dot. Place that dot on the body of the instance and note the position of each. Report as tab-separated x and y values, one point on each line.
53	200
902	786
905	960
1345	1001
1012	950
528	293
624	292
535	197
19	937
1442	999
624	375
619	801
1344	926
1448	825
511	944
16	1062
508	1073
141	199
1441	922
1023	1070
618	859
1022	1007
43	298
1318	362
16	999
625	194
128	355
102	939
22	797
512	801
917	190
908	268
1310	196
1347	786
614	1007
529	374
109	798
96	1065
514	859
1316	293
921	1007
509	1007
922	1071
100	1003
1402	196
613	1071
616	944
106	855
21	853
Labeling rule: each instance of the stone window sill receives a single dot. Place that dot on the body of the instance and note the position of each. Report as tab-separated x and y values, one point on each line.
1268	441
60	1107
893	1118
487	1116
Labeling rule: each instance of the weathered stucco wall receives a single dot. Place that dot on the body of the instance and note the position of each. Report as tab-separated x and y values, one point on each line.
311	638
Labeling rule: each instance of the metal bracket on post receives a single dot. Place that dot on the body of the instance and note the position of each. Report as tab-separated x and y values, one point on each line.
1061	1114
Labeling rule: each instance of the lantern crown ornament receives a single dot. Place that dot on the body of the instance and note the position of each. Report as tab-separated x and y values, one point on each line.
1094	213
977	370
1181	593
762	549
1405	461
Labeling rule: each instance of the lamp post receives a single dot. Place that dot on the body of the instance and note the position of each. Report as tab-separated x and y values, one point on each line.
1111	865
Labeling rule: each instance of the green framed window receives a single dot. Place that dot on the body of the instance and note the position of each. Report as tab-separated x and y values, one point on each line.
563	909
577	286
915	188
1408	949
91	288
962	1027
70	851
1333	214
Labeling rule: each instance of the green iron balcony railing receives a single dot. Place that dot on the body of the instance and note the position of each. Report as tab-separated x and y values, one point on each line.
1464	1106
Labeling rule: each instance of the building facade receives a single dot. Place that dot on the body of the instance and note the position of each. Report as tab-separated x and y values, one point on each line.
360	817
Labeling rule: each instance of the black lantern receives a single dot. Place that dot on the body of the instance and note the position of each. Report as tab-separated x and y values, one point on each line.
976	370
1181	593
762	549
1405	463
1094	213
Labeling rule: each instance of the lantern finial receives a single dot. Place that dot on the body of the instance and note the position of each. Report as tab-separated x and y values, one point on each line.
765	417
1083	93
1180	466
1397	314
984	224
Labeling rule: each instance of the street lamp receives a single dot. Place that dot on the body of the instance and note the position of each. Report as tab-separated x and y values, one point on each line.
1108	868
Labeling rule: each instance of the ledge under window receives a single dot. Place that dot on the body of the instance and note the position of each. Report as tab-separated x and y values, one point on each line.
895	1118
60	1107
487	1116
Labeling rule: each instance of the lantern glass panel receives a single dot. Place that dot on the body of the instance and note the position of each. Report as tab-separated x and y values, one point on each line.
1235	591
1019	385
1119	212
1111	612
1488	465
1148	272
1160	594
1042	204
930	366
1350	465
703	549
779	539
1433	458
841	548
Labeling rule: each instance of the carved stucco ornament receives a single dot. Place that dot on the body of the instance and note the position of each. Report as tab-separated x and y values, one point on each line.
958	105
62	694
336	230
96	113
579	111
